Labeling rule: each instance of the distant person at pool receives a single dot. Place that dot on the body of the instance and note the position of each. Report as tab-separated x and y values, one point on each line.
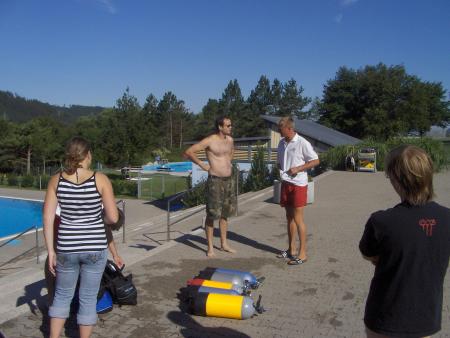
409	246
81	240
221	197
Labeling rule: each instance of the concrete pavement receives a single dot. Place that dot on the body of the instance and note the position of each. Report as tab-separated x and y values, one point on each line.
325	297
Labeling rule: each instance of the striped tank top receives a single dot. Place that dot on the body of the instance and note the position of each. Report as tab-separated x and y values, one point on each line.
81	228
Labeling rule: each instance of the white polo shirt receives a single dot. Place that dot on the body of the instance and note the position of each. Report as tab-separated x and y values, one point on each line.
294	154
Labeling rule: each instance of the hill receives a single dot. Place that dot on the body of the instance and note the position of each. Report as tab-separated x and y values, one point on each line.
19	109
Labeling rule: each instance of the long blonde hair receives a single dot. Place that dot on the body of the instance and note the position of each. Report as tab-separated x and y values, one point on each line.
410	170
76	151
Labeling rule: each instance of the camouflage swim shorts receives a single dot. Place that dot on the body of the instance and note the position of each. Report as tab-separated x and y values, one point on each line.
220	197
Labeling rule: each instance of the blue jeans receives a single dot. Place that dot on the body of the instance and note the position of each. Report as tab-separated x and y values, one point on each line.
89	266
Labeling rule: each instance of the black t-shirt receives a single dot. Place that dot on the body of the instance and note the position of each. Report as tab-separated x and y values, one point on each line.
413	245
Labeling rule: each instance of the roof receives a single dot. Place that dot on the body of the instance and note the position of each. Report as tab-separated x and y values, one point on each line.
317	131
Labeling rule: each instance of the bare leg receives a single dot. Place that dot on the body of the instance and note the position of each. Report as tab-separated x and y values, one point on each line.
56	326
223	226
86	331
209	230
301	228
291	230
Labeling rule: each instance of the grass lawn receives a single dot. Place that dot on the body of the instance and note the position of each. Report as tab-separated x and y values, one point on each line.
162	185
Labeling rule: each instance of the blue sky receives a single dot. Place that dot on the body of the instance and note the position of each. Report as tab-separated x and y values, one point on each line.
89	51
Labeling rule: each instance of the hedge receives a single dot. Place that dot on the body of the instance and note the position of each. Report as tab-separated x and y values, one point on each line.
334	158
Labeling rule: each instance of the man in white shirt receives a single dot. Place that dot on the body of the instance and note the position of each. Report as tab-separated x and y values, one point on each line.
295	157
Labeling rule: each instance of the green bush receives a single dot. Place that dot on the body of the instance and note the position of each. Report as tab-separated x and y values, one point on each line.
258	177
130	188
44	181
27	181
334	158
121	187
117	186
13	180
195	196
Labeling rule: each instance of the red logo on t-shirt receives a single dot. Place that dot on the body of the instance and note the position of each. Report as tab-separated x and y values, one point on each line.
427	226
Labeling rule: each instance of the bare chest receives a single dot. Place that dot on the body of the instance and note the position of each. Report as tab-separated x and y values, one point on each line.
220	147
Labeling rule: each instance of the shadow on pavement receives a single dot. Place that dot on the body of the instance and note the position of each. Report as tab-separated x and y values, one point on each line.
250	242
189	239
191	328
142	246
32	296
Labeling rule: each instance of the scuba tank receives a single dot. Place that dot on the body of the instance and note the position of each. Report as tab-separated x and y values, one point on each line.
217	285
252	280
240	278
192	290
225	306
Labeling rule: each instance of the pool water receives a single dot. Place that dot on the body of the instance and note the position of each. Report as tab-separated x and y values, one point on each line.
178	167
17	215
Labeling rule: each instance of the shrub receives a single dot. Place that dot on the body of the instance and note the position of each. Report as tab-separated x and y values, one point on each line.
44	182
27	181
130	188
117	186
195	196
13	180
258	176
334	158
122	187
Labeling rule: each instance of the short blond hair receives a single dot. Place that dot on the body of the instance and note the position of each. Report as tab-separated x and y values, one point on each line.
410	170
286	121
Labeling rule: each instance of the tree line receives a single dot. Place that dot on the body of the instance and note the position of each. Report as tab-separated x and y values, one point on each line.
375	102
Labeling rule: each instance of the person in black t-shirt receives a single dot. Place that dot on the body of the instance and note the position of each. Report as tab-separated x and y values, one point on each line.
409	245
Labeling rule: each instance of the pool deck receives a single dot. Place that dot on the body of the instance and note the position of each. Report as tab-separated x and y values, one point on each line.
323	298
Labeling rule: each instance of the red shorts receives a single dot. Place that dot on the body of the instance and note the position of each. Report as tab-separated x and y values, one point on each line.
293	195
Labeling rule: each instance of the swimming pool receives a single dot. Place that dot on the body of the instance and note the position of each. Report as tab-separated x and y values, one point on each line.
178	167
18	215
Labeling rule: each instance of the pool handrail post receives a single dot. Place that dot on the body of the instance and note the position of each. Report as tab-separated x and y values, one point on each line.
37	244
139	193
123	227
168	219
237	188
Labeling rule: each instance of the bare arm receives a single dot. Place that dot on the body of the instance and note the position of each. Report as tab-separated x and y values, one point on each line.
190	153
50	204
109	203
113	249
304	167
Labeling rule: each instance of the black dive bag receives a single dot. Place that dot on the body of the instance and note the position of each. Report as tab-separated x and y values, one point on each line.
121	287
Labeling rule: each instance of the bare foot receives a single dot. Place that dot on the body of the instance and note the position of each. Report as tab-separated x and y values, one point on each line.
210	253
228	249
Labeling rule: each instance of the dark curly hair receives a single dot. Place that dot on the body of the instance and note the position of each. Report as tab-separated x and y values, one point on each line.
76	151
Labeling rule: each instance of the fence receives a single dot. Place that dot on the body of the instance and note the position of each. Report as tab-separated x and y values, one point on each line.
159	186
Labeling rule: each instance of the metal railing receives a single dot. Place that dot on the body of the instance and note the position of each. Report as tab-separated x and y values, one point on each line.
169	201
36	227
23	233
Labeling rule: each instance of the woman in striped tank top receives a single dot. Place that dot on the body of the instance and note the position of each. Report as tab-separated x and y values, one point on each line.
81	243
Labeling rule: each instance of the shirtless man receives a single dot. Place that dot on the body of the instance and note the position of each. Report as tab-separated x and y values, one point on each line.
221	199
